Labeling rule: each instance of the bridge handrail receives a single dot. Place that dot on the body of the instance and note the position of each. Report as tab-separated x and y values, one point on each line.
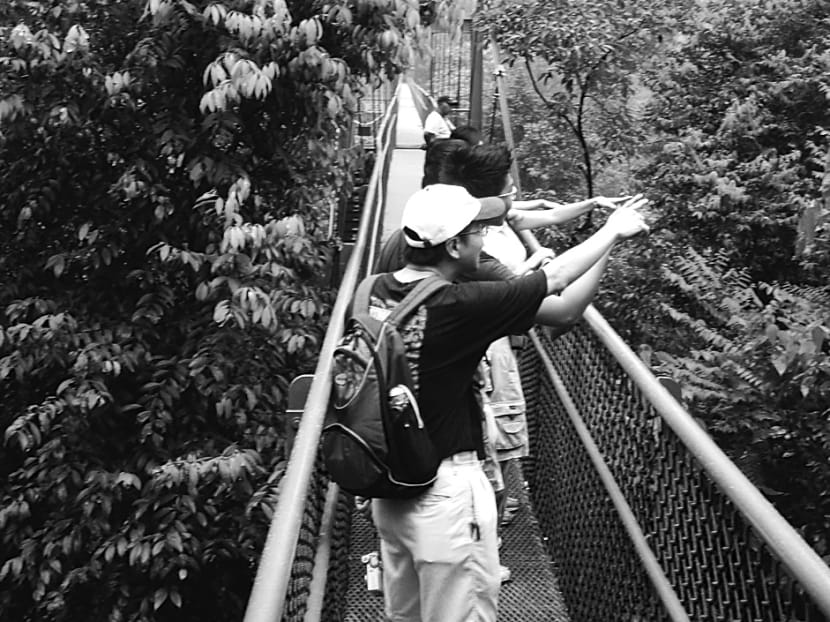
805	565
800	559
424	102
267	598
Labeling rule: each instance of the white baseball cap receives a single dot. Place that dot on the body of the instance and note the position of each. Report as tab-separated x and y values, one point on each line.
438	212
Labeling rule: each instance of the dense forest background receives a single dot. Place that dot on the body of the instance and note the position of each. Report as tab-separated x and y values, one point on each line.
719	112
168	173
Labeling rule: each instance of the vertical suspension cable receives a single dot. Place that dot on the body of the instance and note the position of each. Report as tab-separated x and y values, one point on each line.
458	72
432	63
493	113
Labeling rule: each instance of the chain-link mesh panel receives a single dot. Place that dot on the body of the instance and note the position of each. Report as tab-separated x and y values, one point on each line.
337	584
297	595
533	594
719	568
599	572
448	69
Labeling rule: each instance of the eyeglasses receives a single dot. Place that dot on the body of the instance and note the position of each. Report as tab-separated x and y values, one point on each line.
510	193
482	230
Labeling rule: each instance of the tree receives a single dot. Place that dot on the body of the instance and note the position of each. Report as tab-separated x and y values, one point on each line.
741	126
581	59
735	274
168	169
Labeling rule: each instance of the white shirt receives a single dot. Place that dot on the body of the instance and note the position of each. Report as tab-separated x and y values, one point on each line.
440	126
502	243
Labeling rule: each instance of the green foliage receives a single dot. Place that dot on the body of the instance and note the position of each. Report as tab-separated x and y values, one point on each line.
755	368
580	58
169	170
724	107
740	109
734	278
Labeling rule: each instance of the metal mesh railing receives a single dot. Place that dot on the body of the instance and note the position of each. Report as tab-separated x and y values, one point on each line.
447	71
715	560
303	565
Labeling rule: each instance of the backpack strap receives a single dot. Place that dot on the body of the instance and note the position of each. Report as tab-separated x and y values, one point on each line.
360	304
423	290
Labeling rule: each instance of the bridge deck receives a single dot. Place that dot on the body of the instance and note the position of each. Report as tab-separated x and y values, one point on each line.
532	595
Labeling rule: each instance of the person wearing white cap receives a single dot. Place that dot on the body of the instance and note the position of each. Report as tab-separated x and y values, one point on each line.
439	550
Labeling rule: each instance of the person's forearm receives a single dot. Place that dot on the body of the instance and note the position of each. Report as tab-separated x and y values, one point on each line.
535	260
566	308
569	211
526	266
554	216
531	204
563	269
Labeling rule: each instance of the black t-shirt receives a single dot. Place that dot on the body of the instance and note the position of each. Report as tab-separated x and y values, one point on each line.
447	337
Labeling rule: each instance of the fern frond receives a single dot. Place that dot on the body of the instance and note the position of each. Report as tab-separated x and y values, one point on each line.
816	295
745	374
700	328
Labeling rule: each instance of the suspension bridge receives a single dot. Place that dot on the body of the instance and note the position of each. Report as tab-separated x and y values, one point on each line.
628	510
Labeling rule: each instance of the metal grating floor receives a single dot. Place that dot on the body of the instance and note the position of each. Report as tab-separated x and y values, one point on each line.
532	595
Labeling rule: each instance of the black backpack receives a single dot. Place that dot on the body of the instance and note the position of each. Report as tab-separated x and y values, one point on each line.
374	442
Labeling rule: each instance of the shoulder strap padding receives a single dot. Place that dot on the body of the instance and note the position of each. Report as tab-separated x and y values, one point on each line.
422	290
362	294
419	294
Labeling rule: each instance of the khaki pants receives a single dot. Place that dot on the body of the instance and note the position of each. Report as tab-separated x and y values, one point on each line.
439	551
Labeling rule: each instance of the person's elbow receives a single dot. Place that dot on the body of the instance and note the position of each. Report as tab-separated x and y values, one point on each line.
557	278
559	320
557	312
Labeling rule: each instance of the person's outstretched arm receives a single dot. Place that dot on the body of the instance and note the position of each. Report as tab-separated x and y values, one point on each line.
534	261
521	217
566	308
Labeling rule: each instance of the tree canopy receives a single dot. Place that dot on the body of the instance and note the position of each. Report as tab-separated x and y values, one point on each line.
170	169
724	109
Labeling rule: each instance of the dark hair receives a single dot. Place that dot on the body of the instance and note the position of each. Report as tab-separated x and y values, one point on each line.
437	153
482	170
468	133
443	100
431	256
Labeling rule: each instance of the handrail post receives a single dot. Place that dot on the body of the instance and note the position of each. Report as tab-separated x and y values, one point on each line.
505	111
476	75
527	237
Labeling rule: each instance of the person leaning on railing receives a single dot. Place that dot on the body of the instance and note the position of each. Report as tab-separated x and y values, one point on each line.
485	170
439	550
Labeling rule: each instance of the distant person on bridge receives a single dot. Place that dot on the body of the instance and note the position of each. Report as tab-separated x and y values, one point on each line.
484	170
437	123
439	550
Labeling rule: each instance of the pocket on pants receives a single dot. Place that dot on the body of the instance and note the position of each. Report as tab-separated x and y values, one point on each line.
512	431
446	486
